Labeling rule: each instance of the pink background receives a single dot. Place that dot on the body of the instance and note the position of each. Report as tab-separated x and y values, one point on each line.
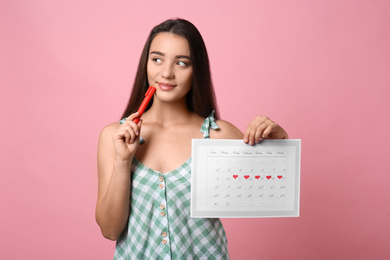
319	68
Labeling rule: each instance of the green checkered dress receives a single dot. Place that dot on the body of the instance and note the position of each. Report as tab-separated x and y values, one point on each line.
160	226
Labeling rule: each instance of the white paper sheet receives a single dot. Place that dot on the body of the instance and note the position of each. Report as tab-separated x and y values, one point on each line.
231	179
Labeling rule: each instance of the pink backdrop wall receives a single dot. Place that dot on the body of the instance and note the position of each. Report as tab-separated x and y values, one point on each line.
319	68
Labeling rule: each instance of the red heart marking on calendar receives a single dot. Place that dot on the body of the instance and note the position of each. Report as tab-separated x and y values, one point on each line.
246	176
280	176
257	176
235	176
269	177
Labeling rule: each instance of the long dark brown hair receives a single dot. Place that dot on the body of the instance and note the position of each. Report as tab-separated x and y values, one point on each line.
201	97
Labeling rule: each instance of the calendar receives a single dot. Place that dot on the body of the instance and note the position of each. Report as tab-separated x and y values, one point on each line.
231	179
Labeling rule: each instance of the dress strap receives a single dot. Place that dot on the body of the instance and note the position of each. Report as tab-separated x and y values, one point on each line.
208	123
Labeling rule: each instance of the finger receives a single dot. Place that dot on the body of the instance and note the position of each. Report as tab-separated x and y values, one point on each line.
132	117
251	136
139	126
250	133
135	131
128	134
268	131
259	132
124	135
135	127
246	135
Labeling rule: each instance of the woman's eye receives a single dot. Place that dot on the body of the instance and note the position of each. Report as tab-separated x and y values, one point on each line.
182	63
157	60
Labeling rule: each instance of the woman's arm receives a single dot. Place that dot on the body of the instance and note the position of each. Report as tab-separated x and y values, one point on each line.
263	128
116	148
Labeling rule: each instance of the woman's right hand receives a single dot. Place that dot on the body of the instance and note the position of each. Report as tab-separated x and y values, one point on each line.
126	138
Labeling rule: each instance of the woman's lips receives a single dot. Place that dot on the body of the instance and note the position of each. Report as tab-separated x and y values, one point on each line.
166	87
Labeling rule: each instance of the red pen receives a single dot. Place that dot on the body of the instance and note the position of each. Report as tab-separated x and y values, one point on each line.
148	96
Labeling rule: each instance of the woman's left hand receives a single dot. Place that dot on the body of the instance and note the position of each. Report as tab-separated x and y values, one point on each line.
263	128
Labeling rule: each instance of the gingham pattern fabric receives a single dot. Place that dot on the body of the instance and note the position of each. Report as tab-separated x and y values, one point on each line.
208	123
160	226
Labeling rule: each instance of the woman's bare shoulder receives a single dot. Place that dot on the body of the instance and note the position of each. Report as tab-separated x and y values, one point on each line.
108	130
226	131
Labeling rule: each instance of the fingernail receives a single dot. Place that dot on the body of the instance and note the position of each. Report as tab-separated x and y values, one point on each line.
245	139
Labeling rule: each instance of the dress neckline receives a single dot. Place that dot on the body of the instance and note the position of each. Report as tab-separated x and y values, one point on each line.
158	172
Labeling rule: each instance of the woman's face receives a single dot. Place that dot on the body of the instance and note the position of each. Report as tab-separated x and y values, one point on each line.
169	67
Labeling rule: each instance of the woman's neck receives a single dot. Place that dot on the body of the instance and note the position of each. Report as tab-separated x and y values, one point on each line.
166	114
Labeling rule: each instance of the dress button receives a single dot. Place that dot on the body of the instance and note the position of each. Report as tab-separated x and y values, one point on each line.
164	241
162	206
161	186
161	179
164	234
162	213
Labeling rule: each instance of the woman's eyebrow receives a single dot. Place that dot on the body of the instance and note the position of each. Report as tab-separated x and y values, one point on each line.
157	53
177	57
183	57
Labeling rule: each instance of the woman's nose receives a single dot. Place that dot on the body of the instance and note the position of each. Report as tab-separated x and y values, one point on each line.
167	71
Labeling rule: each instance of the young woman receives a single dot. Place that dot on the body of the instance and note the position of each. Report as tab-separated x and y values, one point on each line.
144	190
